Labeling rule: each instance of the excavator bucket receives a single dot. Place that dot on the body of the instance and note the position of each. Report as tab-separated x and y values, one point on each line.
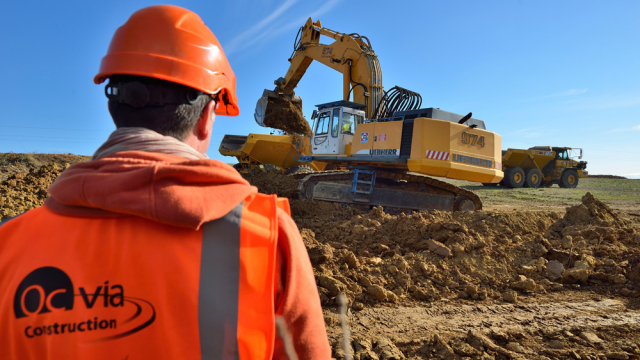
281	112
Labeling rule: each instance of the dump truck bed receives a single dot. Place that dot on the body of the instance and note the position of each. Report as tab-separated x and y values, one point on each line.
527	158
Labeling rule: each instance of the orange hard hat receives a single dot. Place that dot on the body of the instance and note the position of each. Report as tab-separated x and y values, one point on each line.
172	43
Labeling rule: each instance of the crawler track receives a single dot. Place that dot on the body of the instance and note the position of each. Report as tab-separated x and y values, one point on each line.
392	189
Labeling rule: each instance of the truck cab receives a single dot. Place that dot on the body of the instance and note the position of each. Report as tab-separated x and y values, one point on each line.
334	126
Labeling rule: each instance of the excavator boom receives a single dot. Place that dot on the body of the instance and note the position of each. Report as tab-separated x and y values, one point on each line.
349	54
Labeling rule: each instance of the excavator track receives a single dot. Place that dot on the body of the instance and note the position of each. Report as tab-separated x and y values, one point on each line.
390	189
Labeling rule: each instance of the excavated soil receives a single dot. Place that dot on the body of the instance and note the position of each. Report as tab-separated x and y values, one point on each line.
287	116
21	192
25	179
464	285
14	163
517	284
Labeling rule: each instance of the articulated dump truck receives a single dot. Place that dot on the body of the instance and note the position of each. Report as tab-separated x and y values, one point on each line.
382	146
542	166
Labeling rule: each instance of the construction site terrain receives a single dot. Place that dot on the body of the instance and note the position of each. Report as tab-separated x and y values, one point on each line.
537	274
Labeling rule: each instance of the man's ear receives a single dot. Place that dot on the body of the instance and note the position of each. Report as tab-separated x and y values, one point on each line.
205	123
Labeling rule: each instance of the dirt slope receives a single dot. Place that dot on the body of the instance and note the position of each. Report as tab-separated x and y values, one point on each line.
26	177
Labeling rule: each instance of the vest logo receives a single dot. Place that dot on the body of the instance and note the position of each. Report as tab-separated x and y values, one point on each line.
49	290
43	290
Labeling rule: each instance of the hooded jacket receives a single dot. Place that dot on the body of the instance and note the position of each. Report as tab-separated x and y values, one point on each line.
179	194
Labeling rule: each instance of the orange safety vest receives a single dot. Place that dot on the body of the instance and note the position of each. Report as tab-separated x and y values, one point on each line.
130	288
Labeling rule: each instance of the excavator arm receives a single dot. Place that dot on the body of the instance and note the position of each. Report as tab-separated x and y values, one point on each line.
349	54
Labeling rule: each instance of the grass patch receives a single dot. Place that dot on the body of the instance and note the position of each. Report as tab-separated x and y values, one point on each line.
613	191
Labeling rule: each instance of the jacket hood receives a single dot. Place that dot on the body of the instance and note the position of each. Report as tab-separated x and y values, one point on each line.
159	187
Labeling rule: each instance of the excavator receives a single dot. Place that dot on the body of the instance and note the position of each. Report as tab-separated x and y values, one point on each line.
383	142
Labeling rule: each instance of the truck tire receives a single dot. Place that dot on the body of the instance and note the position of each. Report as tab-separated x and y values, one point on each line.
514	177
569	179
532	178
298	169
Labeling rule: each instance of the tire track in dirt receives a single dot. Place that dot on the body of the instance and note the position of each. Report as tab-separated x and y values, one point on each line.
415	321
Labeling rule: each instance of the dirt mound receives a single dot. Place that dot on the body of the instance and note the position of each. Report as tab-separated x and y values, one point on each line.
379	259
287	116
411	262
272	181
591	213
14	163
22	192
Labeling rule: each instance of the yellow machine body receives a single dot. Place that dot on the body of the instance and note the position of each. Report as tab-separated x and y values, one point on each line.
258	149
438	148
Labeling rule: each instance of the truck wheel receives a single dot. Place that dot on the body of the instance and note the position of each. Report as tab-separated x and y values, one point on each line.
532	178
569	179
514	177
298	169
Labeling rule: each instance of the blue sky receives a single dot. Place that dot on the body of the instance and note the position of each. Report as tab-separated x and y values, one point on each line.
561	73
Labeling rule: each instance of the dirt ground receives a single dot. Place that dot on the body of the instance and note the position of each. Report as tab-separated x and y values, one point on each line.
551	274
537	274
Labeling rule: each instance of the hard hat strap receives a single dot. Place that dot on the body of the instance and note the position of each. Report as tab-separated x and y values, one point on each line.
138	94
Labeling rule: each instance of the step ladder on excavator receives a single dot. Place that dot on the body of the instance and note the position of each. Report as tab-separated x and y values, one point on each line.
362	186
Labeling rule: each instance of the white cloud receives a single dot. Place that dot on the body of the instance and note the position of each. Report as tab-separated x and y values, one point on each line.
249	37
323	9
633	128
562	94
571	92
526	130
269	28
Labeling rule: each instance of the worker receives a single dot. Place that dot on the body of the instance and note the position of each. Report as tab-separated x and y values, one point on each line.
346	126
151	250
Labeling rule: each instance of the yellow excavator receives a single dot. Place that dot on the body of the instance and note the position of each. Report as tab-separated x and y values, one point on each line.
383	140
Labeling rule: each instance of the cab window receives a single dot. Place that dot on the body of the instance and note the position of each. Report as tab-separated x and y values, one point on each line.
359	119
336	122
347	123
562	155
322	127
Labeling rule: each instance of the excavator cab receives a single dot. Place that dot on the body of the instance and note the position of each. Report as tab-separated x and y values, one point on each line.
334	125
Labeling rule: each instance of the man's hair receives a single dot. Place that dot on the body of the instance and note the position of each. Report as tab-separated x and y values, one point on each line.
175	119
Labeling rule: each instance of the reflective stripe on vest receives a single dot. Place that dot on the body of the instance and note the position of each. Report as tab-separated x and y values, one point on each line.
219	282
236	305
